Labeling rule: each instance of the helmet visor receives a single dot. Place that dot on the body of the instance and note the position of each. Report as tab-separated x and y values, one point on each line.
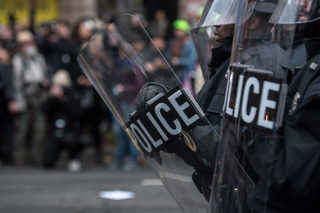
215	13
295	12
219	12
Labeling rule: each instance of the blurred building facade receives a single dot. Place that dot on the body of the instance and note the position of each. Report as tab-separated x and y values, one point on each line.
186	9
72	10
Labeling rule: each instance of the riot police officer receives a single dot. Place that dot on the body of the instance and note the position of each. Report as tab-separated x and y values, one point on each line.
294	185
258	65
211	96
216	22
257	49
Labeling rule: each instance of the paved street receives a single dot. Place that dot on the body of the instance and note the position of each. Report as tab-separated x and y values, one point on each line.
35	190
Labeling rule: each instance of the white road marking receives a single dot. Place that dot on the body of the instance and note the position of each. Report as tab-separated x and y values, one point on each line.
173	176
150	182
117	195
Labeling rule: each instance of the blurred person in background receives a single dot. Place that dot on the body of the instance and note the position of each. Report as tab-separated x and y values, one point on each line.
63	113
137	21
182	53
46	40
60	49
29	90
127	90
6	95
7	38
82	33
94	110
160	26
156	67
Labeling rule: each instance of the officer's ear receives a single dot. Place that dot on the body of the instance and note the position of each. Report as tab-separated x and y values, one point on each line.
254	22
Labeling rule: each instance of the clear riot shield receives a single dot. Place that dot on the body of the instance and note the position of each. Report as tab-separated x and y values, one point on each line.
203	47
252	112
158	113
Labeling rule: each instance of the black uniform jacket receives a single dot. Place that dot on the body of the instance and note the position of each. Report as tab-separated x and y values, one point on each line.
211	96
261	52
210	99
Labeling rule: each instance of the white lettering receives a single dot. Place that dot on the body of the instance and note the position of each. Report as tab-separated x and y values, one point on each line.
165	107
239	91
248	118
145	145
264	103
228	109
180	109
157	126
155	143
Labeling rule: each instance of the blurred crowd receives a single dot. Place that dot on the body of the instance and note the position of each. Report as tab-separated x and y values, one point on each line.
47	104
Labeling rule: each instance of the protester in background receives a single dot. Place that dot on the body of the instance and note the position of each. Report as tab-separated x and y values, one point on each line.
182	54
132	81
94	111
29	83
136	22
7	38
5	98
160	26
82	33
156	67
57	47
66	47
63	113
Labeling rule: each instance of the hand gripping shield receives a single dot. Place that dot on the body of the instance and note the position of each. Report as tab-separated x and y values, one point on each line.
158	113
252	113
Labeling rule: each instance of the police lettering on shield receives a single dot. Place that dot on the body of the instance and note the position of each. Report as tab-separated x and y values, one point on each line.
256	100
163	120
